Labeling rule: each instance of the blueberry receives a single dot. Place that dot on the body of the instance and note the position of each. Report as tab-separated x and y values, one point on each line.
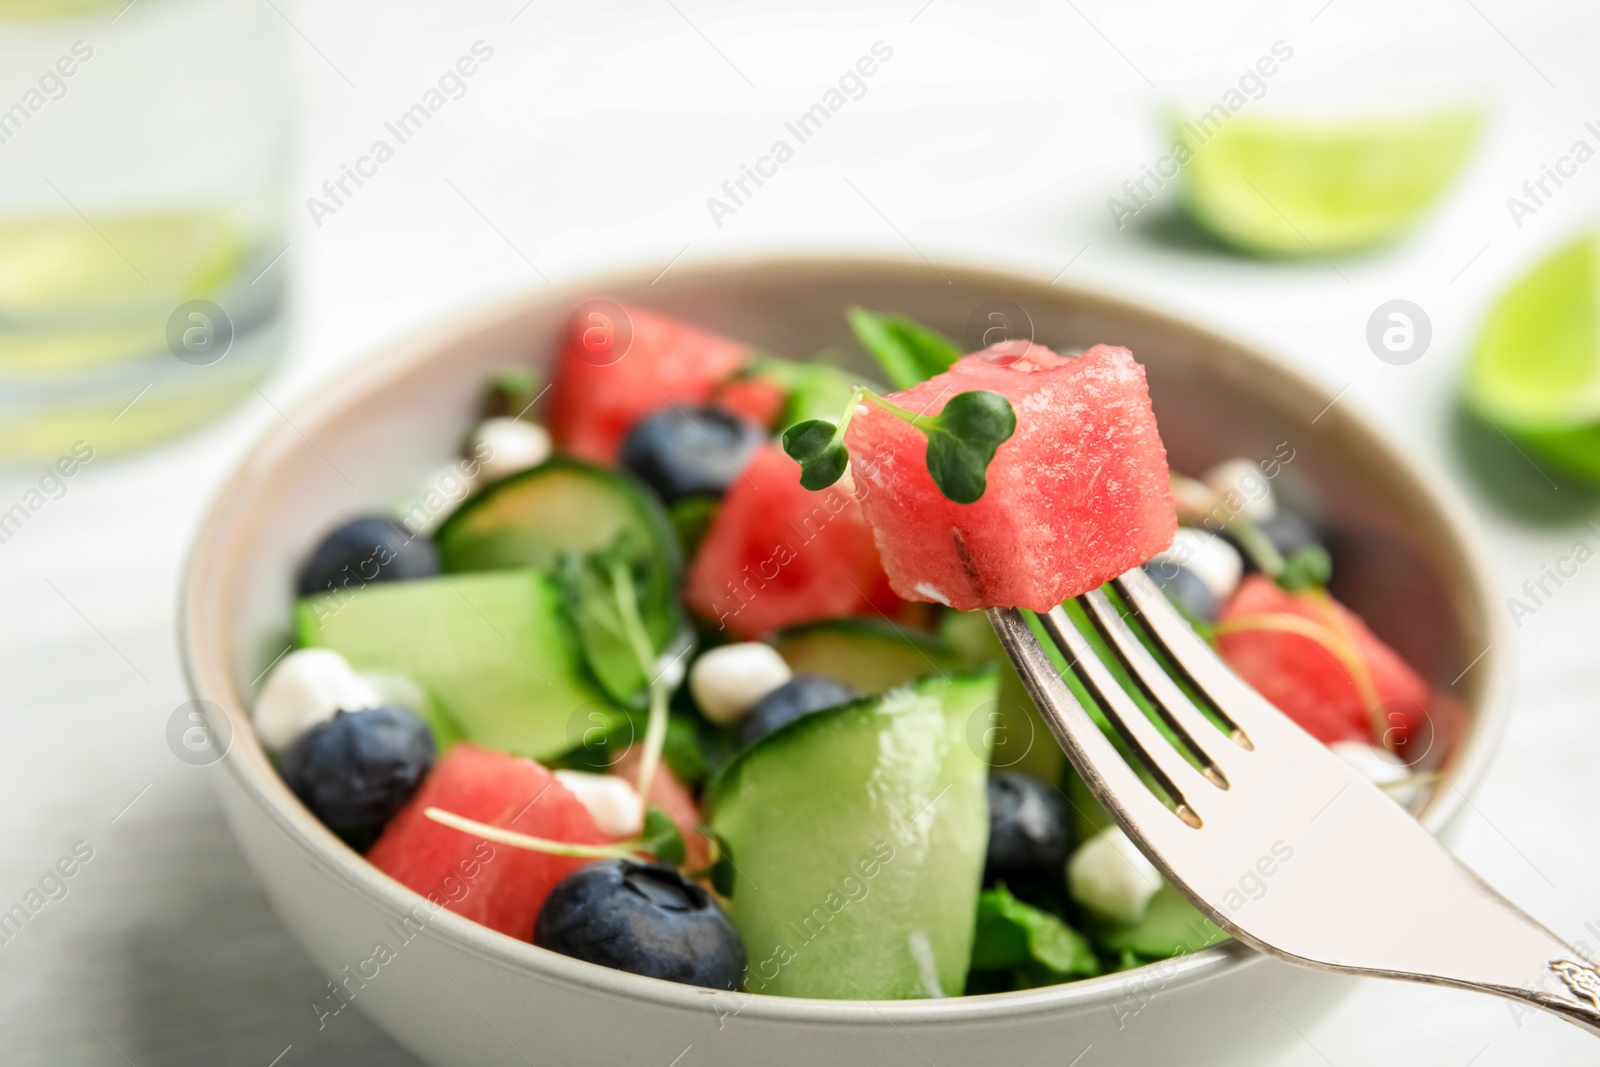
800	695
1186	587
643	919
371	549
1288	532
360	767
684	452
1028	838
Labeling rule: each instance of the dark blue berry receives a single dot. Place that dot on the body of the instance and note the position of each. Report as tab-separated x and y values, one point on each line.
643	919
800	695
1028	837
360	767
684	452
1184	586
371	549
1288	532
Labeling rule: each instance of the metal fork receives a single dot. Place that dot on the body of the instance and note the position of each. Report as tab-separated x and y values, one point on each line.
1269	805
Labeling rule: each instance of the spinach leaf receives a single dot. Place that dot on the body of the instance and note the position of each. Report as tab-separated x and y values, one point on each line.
908	351
660	837
590	593
1309	568
1033	946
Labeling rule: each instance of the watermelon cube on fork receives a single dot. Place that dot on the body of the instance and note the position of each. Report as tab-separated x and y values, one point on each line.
1077	495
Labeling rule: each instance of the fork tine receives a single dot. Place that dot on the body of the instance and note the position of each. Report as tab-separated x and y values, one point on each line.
1175	774
1109	777
1252	719
1203	737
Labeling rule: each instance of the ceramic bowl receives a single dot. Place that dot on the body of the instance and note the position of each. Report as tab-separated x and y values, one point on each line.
457	993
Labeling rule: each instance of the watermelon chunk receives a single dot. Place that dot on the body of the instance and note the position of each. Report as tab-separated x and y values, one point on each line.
1320	665
757	399
1077	496
597	396
497	885
778	554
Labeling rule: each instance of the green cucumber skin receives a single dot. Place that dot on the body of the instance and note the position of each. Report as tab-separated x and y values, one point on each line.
494	650
471	539
858	836
869	654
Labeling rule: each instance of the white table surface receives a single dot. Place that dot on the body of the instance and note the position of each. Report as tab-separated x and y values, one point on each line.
592	138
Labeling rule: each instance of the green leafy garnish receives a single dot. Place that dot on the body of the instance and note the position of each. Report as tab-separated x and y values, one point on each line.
594	601
720	870
908	351
603	596
815	388
1309	568
962	440
683	750
1034	947
691	519
660	837
511	393
818	446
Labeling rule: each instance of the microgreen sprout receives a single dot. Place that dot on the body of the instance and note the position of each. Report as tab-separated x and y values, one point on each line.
962	440
659	838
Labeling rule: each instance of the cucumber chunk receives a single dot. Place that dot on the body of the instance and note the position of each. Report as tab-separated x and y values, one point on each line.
856	837
558	508
868	654
552	516
495	651
1171	926
1019	738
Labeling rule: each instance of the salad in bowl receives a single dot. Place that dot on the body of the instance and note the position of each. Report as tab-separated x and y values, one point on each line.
681	668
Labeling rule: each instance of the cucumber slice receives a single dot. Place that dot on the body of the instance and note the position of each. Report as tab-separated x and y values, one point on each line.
561	506
1171	926
495	651
1019	738
563	509
857	839
868	654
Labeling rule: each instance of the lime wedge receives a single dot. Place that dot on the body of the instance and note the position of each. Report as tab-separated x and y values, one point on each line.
1282	188
1536	366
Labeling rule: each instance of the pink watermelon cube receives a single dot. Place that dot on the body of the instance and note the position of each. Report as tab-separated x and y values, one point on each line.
497	885
1077	496
1320	665
598	392
778	554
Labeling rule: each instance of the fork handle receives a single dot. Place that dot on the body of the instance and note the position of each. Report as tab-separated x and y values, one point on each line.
1571	986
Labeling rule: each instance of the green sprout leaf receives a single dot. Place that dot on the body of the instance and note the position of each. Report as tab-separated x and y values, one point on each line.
818	446
962	440
589	594
1309	568
660	837
908	351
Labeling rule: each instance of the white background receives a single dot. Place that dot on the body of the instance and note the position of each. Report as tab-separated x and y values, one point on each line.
593	138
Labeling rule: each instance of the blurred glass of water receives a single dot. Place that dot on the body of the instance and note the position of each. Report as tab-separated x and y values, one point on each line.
142	249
